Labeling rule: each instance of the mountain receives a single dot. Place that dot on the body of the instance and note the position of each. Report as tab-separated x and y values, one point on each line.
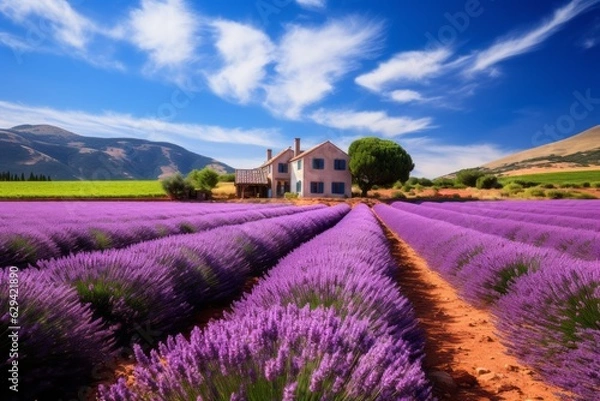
579	152
63	155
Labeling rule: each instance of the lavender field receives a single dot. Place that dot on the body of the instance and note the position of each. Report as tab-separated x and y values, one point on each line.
317	312
534	265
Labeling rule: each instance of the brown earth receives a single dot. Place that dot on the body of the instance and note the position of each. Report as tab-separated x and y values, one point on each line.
464	358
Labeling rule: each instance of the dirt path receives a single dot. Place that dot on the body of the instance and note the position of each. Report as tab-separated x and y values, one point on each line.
464	358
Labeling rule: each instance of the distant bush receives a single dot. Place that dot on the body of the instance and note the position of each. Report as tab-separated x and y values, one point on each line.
548	186
397	185
596	185
535	193
375	187
291	195
407	187
425	182
586	185
177	187
458	185
204	180
487	182
569	185
227	177
444	182
398	195
469	176
526	184
511	189
555	194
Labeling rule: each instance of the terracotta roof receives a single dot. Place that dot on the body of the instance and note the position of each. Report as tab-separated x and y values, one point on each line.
272	159
251	176
301	155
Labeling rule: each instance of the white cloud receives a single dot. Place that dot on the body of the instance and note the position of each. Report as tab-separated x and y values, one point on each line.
165	29
311	60
406	66
433	158
16	43
373	121
245	51
67	25
406	96
111	124
312	3
517	44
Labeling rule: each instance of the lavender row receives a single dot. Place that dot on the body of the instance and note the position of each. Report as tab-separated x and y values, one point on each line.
482	209
124	294
589	209
21	244
579	243
547	303
326	323
96	212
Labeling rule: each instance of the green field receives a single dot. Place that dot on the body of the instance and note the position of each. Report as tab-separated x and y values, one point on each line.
574	177
81	189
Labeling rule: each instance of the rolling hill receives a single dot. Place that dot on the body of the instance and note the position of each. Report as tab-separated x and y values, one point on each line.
577	153
63	155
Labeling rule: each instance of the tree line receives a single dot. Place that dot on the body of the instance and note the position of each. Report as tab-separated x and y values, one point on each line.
8	176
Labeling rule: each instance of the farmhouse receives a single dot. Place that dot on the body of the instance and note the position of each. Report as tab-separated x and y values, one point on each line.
321	171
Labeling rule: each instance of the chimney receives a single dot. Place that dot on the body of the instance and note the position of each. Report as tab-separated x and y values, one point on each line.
269	154
296	146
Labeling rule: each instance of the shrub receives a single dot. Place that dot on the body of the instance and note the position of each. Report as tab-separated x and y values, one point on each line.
596	185
60	344
397	185
526	184
458	185
569	185
469	176
125	289
583	195
535	192
230	177
513	188
555	194
487	182
407	187
586	185
291	195
444	182
398	195
204	180
548	186
177	187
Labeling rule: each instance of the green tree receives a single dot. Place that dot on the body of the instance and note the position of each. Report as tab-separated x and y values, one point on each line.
204	180
177	187
469	176
375	161
230	177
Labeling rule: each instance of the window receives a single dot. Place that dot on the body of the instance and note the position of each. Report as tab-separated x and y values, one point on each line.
316	188
318	164
299	164
298	186
338	188
283	168
339	164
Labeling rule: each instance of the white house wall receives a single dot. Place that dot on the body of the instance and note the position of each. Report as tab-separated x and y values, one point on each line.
327	175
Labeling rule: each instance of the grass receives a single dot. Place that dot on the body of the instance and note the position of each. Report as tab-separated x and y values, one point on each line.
82	189
558	178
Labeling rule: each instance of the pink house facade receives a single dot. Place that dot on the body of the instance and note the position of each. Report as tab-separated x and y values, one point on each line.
321	171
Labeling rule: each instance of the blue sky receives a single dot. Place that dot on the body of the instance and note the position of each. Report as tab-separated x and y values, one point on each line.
456	83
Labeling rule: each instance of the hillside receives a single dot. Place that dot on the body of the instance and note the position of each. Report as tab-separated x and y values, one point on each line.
64	155
576	153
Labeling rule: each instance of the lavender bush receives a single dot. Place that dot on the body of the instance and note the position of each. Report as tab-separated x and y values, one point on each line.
125	289
59	342
278	353
551	320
